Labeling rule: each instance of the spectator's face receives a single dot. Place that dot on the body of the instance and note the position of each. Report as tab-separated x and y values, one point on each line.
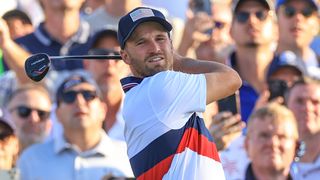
298	23
287	74
253	25
107	73
148	50
304	101
17	28
221	17
271	145
80	109
8	152
29	111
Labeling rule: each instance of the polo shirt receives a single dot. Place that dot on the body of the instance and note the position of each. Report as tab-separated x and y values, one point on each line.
164	128
40	41
58	159
248	95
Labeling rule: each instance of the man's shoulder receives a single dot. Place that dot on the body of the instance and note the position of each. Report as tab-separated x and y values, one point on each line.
27	39
38	150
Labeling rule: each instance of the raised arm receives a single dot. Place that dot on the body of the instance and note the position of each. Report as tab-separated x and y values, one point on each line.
222	80
14	55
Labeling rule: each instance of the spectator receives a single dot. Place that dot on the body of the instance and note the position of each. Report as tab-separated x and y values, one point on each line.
110	13
83	150
271	142
253	30
54	36
218	45
29	109
171	91
8	151
303	98
8	146
298	26
18	22
107	74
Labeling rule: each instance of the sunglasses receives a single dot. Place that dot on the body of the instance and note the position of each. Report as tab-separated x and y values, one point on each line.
24	112
242	16
218	25
69	97
291	11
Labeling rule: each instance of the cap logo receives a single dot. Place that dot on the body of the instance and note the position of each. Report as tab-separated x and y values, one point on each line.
141	13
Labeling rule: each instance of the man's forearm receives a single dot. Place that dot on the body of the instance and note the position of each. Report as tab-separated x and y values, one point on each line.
15	57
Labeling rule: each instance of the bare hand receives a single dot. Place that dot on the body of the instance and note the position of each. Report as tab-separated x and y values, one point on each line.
225	127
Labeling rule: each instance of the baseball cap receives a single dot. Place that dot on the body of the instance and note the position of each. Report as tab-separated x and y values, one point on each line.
130	22
286	59
267	3
314	3
72	81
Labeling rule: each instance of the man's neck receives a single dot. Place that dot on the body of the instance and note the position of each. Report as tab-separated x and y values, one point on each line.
252	64
113	101
312	149
62	26
263	173
302	52
83	139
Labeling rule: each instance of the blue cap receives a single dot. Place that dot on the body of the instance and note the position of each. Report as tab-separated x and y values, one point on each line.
312	2
286	59
130	22
266	3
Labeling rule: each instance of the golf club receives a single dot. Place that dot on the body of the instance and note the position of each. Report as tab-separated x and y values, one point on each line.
38	65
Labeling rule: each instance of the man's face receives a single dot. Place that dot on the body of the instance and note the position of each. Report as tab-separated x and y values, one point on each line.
271	145
107	73
148	50
298	23
221	17
253	25
29	111
81	109
304	101
17	28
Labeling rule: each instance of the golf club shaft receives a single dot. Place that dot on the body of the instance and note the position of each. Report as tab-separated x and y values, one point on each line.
102	57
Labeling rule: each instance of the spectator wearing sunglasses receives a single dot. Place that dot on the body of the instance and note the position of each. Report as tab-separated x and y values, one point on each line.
298	26
207	36
28	107
83	150
107	75
253	30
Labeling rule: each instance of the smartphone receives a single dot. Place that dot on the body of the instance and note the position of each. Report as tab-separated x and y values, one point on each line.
230	103
277	88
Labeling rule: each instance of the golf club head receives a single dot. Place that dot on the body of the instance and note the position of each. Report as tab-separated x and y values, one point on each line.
37	66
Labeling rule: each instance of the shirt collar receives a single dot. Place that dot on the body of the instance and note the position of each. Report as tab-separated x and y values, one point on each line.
130	82
104	147
81	36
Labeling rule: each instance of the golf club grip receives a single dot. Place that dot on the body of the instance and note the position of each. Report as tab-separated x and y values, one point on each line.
102	57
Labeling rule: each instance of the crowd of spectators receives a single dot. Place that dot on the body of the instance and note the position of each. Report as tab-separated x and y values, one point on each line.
70	125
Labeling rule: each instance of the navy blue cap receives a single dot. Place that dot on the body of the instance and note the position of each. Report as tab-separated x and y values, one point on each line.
286	59
130	22
312	2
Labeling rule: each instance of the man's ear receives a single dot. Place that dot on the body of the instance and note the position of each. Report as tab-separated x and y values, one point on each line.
125	56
